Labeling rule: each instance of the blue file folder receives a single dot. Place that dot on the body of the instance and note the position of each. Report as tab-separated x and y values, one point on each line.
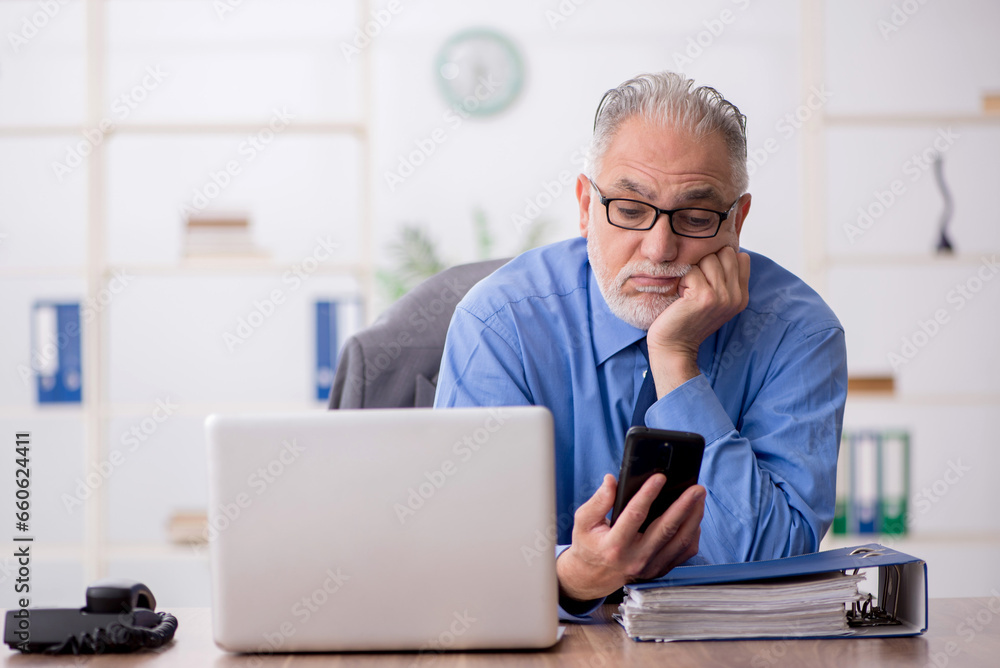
865	482
326	347
55	352
906	600
336	320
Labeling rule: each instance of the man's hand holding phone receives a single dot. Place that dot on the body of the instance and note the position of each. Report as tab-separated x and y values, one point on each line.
604	558
656	520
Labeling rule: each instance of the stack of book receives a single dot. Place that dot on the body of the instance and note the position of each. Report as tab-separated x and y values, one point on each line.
188	527
210	236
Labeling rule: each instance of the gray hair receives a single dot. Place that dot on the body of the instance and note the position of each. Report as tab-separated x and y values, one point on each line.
668	97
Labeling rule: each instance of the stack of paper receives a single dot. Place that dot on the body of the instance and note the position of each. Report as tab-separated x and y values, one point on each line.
807	605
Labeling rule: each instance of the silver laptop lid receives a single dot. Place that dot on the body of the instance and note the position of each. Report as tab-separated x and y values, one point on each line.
412	529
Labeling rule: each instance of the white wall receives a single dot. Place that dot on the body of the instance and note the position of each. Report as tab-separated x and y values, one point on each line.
501	163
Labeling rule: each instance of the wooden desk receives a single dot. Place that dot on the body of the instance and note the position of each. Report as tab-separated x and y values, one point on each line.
963	632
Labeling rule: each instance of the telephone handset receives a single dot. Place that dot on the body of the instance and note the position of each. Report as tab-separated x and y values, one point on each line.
119	617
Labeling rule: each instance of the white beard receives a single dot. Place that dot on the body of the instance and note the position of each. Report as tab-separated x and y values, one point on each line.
637	310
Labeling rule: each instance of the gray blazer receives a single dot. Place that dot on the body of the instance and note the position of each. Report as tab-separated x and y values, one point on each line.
394	363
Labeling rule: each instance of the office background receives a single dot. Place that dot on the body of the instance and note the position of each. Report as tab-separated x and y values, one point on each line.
340	144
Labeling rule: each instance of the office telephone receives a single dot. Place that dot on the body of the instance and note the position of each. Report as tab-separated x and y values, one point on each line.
119	617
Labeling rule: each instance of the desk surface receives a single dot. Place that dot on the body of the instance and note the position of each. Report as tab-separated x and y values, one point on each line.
963	632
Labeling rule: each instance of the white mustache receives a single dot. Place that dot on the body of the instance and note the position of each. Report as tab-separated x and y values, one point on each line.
651	269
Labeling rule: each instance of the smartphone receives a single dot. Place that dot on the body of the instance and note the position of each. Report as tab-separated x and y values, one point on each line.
676	454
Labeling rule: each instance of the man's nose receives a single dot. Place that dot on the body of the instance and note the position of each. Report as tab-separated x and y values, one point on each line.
660	243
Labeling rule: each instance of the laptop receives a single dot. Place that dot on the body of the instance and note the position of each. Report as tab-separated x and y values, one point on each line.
383	529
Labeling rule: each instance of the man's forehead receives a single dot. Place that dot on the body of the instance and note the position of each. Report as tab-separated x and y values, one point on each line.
633	186
644	155
643	190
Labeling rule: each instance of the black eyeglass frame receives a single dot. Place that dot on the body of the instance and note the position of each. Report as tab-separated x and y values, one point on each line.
606	201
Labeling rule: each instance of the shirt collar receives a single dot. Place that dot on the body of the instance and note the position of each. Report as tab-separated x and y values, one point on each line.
608	332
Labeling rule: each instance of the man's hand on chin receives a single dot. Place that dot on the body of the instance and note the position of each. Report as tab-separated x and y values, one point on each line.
709	296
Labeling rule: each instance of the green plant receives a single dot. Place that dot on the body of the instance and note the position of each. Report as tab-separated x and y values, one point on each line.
415	257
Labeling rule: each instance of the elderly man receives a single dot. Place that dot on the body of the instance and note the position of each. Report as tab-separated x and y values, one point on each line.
739	350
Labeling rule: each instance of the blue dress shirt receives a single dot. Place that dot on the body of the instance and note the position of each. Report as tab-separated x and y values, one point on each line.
769	400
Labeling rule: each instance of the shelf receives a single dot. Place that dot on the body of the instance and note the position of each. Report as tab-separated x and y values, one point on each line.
930	399
156	551
74	551
192	267
986	538
923	260
911	119
112	410
199	409
241	127
226	266
55	551
91	270
43	272
871	385
36	412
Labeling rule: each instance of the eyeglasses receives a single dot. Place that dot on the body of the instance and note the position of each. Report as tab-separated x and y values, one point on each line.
631	214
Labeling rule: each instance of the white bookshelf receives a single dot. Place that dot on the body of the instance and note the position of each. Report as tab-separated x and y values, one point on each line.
944	397
92	27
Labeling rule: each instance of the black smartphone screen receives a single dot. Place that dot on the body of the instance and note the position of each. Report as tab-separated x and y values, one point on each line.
676	454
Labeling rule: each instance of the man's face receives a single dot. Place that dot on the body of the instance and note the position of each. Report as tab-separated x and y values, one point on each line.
638	271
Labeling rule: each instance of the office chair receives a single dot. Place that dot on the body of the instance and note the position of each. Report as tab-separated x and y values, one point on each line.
394	363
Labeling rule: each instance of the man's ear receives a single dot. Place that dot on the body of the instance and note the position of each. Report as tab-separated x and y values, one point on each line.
583	198
742	209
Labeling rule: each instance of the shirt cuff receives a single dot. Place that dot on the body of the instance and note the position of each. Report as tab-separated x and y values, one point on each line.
571	610
693	406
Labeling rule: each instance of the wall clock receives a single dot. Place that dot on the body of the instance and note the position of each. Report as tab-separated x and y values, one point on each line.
480	71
